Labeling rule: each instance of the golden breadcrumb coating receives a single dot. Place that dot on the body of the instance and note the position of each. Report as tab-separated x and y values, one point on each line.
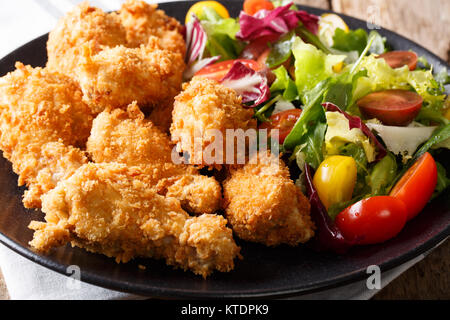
107	208
83	25
126	137
142	20
202	106
41	117
118	76
262	204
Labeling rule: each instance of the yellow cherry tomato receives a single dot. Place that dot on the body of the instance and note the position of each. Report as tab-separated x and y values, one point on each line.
198	7
328	24
335	180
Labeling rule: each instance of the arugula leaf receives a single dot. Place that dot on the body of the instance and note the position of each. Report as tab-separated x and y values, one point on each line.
281	50
313	141
285	84
439	135
382	175
312	114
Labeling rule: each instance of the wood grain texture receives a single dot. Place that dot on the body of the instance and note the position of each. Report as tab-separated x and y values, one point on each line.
324	4
425	22
427	280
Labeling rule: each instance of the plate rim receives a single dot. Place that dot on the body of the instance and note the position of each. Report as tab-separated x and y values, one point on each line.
122	286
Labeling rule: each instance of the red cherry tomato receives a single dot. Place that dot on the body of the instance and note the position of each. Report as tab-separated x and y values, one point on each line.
283	121
397	59
218	70
372	220
253	6
392	107
417	185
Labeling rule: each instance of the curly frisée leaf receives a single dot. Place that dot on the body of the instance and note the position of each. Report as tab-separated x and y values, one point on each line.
279	21
249	84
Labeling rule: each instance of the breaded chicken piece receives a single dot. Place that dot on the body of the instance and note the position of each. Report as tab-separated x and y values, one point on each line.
107	208
142	20
83	25
126	137
118	76
262	204
42	120
203	108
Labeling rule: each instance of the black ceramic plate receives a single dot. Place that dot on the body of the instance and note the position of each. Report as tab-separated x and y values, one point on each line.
264	272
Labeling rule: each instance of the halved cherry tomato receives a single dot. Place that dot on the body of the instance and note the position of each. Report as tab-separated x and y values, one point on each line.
397	59
253	6
218	70
416	186
392	107
372	220
283	121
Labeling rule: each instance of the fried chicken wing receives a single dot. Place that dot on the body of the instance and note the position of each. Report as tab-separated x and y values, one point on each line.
83	25
142	20
263	205
126	137
118	76
107	208
203	109
42	121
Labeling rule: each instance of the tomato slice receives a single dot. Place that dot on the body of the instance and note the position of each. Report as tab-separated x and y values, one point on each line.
392	107
417	185
398	59
253	6
283	121
372	220
218	70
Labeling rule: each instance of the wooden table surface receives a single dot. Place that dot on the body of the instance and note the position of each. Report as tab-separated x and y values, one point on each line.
427	23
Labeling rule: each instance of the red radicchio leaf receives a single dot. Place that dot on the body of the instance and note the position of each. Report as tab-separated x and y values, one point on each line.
275	22
248	83
196	39
356	122
328	235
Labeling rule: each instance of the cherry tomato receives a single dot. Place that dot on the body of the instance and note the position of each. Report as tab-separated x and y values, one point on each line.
335	180
218	70
253	6
416	186
283	121
392	107
372	220
398	59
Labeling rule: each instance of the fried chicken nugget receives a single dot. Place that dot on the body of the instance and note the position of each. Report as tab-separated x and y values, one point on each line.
42	120
83	25
142	20
201	110
263	205
107	208
126	137
118	76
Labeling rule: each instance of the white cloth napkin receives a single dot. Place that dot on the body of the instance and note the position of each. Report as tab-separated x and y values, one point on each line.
20	22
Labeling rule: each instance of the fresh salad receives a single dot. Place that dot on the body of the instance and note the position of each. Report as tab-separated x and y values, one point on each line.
362	125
